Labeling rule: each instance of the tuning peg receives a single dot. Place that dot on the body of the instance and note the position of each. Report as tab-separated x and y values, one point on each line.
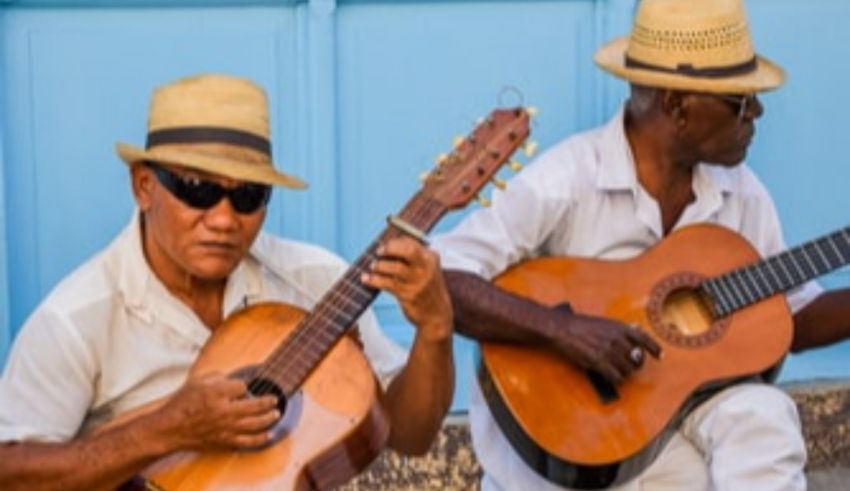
529	148
458	141
515	166
483	201
424	176
441	159
532	111
499	183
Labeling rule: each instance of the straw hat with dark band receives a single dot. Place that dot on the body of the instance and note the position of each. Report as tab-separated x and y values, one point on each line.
214	123
698	45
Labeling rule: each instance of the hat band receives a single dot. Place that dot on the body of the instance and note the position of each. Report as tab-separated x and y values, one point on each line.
208	134
687	69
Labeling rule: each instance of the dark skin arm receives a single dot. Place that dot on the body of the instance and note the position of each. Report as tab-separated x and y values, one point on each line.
208	413
484	312
419	396
824	321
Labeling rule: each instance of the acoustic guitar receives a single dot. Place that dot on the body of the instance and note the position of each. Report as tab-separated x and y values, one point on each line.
332	424
717	311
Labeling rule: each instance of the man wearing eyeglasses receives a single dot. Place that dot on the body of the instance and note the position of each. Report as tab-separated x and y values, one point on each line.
125	328
673	156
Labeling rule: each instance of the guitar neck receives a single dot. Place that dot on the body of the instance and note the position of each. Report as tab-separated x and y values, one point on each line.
341	306
779	273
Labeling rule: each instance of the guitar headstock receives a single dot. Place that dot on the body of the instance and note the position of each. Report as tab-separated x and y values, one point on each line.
476	158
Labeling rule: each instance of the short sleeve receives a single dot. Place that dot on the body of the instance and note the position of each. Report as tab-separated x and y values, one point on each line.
47	385
514	227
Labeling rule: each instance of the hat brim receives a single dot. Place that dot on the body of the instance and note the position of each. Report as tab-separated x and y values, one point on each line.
612	58
265	174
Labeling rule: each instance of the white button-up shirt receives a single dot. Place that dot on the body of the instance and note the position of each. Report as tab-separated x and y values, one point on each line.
582	198
110	337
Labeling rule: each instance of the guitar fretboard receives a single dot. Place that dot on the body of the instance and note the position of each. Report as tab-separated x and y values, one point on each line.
339	308
747	285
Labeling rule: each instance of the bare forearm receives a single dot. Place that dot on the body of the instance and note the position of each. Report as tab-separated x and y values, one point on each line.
97	462
824	321
485	312
419	397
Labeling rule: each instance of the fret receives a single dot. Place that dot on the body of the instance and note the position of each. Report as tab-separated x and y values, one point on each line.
721	302
740	286
808	260
788	279
751	276
727	293
340	307
827	264
452	184
789	258
760	271
736	295
779	273
830	240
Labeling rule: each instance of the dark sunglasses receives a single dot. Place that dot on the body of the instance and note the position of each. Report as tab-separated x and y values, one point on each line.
203	195
738	102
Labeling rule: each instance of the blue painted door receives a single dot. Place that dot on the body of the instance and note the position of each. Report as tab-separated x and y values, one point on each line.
365	94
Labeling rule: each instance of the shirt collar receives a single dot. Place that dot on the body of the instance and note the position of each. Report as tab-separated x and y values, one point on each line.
617	163
136	279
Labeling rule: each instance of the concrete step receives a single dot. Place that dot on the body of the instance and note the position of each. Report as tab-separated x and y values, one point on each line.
451	465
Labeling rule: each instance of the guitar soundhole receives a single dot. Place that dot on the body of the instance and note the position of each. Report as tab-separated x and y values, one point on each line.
263	386
679	313
260	386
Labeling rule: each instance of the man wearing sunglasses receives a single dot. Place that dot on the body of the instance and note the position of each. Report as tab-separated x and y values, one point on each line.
125	328
673	156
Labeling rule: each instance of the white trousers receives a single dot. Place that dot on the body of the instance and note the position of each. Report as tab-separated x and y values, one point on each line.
745	438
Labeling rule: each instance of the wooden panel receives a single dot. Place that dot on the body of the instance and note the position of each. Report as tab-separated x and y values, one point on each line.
367	92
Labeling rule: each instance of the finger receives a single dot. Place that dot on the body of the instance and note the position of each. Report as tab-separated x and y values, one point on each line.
623	365
645	341
380	282
608	371
403	248
389	267
250	440
253	406
254	424
229	387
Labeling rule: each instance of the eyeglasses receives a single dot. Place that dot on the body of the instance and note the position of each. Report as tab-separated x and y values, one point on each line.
739	102
203	195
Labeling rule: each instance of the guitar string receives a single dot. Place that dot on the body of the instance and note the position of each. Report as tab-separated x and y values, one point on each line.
302	331
742	287
306	339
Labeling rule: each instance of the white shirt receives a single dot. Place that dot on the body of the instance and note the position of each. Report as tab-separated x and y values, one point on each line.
582	198
110	337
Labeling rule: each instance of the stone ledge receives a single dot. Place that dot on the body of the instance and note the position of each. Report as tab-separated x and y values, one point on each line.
451	465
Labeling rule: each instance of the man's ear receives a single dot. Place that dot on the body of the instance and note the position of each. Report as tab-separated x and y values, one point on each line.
674	104
142	178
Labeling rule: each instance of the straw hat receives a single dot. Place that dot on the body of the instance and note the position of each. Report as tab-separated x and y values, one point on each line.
214	123
699	45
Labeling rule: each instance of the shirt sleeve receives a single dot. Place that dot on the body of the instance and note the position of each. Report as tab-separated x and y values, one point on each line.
514	227
761	226
46	388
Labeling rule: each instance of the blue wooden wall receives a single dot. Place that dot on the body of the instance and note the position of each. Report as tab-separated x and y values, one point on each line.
366	94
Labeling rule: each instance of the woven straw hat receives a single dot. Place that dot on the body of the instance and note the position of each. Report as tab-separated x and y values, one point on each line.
699	45
214	123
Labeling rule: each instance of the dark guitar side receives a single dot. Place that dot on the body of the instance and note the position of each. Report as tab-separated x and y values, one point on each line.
553	415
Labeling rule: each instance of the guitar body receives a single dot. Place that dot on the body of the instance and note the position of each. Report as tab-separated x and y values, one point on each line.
330	431
560	423
333	424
